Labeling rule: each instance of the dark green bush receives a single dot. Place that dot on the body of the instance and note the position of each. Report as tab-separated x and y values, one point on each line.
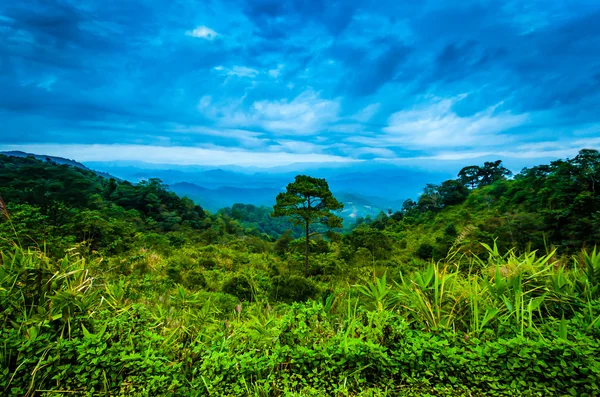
174	272
425	251
292	289
194	279
222	302
207	263
239	286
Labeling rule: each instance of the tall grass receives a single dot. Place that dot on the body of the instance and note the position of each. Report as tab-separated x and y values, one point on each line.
506	294
521	292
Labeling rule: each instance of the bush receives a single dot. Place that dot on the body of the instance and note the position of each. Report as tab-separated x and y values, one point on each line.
238	286
174	272
425	251
207	263
223	303
194	279
292	289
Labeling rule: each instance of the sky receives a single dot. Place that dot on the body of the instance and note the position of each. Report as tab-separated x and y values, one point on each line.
273	82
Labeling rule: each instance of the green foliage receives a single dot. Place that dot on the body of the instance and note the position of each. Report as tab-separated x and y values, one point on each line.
194	279
60	205
491	172
292	289
425	251
122	289
543	207
258	221
307	201
240	287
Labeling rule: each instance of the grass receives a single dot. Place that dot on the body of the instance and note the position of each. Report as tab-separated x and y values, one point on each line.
350	333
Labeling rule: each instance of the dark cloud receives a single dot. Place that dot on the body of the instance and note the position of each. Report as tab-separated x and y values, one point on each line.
371	65
128	71
277	19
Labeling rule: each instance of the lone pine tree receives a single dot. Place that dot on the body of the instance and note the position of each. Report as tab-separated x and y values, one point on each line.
308	201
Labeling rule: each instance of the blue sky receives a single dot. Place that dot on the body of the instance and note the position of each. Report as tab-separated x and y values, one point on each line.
273	82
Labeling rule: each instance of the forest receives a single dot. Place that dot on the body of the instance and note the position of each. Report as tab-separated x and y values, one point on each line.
484	285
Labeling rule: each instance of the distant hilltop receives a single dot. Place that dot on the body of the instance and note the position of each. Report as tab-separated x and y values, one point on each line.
57	160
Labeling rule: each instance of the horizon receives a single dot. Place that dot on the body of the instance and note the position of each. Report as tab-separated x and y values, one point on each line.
268	84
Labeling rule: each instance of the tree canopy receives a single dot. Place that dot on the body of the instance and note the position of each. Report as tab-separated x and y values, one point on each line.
308	201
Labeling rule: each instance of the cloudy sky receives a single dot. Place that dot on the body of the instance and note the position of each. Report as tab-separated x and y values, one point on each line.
271	82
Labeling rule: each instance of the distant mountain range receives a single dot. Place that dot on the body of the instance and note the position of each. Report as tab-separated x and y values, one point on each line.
215	188
355	185
224	196
57	160
355	206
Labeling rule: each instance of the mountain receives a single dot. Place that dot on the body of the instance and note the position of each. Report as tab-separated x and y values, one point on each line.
225	196
355	206
216	188
380	186
57	160
42	157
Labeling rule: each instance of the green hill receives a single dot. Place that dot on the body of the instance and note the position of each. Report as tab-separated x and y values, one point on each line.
113	288
555	205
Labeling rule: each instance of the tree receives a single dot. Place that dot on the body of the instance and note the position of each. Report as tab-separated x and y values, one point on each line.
492	172
308	201
470	176
452	192
430	200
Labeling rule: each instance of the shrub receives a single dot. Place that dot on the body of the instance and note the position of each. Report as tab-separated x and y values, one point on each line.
238	286
425	251
292	289
207	263
223	303
174	272
194	279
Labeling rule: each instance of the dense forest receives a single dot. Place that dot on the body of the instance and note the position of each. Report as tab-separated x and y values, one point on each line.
487	284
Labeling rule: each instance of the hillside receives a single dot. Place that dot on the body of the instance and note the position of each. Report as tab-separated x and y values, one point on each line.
543	207
54	159
62	204
132	290
224	196
380	186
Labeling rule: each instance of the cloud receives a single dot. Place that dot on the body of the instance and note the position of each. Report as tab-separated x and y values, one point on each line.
276	72
306	114
437	126
184	155
369	66
240	71
349	78
202	32
367	113
370	152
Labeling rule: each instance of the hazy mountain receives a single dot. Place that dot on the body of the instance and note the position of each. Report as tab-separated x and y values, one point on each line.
57	160
382	182
225	196
355	206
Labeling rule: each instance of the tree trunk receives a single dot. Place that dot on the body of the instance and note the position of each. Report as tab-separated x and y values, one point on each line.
306	252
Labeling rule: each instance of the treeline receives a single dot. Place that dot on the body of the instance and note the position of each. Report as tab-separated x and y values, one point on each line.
555	205
62	205
257	220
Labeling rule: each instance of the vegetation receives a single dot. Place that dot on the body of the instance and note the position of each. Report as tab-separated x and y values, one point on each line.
257	221
489	287
307	201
